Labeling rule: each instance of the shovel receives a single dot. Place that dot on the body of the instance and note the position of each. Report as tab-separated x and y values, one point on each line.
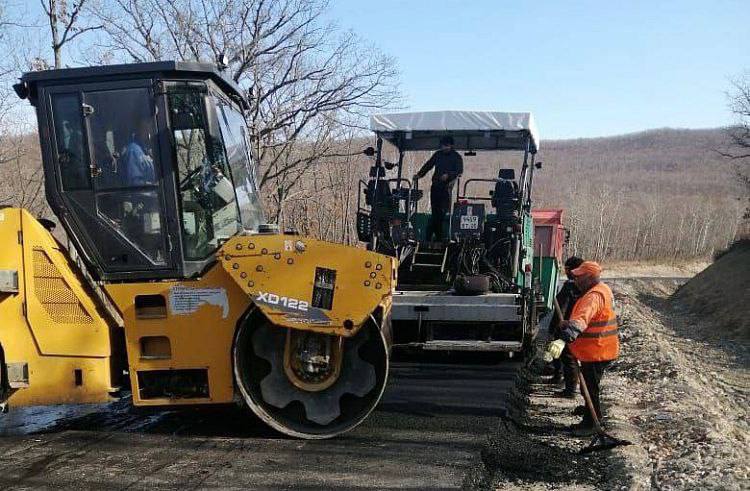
602	440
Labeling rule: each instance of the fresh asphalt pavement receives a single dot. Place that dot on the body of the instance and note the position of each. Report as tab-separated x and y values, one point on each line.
426	433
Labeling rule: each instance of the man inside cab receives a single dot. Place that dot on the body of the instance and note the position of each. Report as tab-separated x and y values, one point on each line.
448	166
135	164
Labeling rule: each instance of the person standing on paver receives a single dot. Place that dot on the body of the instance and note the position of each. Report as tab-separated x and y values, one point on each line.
592	335
566	366
448	166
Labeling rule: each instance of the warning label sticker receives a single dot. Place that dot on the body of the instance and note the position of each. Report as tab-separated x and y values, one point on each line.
184	300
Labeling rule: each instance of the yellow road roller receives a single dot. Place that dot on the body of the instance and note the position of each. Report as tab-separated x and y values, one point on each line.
167	280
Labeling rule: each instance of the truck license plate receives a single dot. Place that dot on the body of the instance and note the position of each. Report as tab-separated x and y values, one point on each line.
469	222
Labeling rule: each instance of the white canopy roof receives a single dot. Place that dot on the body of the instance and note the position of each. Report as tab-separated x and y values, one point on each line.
472	130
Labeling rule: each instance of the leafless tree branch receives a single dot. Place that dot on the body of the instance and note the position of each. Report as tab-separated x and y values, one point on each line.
305	77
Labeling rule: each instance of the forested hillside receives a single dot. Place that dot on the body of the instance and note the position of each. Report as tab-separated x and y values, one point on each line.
659	194
656	194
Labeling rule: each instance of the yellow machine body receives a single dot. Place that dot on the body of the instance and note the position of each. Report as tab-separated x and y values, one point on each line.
182	285
55	341
54	326
278	272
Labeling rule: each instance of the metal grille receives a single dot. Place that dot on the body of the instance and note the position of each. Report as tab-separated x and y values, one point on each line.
57	298
324	286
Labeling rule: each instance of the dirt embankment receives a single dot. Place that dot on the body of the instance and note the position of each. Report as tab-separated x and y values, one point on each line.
684	381
640	269
720	294
680	391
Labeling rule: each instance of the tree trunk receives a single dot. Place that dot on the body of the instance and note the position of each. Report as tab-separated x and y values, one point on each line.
53	25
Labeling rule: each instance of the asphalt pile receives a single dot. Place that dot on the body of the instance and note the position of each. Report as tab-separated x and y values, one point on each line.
532	448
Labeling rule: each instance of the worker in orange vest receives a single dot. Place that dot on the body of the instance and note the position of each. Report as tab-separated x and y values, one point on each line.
591	334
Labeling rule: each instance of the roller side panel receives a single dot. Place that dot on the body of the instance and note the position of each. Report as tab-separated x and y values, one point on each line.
56	343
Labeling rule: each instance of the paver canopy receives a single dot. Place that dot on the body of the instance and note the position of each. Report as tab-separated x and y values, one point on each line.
471	130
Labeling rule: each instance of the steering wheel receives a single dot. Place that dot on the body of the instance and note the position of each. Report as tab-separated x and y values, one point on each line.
187	180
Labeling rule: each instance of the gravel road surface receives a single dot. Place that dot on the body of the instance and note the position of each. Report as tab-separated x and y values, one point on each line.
684	382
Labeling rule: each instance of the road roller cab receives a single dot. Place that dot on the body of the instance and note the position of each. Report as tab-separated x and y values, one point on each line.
147	164
148	168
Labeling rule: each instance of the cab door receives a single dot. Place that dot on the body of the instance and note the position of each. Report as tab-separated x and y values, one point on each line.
111	177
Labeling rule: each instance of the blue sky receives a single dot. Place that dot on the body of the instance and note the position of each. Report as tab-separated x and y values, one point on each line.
585	68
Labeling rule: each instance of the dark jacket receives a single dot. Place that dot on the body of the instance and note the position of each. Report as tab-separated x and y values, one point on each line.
449	163
566	298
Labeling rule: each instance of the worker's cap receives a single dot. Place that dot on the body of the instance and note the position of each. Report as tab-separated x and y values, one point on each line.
447	140
573	262
587	268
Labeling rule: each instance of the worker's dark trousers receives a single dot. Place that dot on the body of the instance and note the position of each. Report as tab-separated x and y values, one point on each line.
440	202
569	369
592	374
567	366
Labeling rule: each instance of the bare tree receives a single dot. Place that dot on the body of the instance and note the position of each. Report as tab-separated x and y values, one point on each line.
740	137
20	164
306	79
21	172
740	106
65	23
7	97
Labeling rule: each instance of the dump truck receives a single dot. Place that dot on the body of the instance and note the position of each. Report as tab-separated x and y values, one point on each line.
550	238
472	289
169	283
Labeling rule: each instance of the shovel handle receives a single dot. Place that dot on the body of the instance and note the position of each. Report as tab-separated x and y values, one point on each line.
558	310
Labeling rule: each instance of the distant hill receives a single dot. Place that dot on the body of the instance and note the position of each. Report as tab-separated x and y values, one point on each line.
669	161
662	160
663	193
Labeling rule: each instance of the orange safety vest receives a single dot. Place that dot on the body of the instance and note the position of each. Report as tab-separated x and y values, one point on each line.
599	341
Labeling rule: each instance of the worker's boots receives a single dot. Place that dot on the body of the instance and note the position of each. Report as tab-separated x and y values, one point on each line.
555	379
584	428
566	394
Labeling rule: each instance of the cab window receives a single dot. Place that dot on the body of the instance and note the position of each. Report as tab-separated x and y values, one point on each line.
234	133
208	204
74	169
123	144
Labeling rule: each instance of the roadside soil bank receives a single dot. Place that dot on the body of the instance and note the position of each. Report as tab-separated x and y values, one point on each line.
680	392
684	382
720	294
